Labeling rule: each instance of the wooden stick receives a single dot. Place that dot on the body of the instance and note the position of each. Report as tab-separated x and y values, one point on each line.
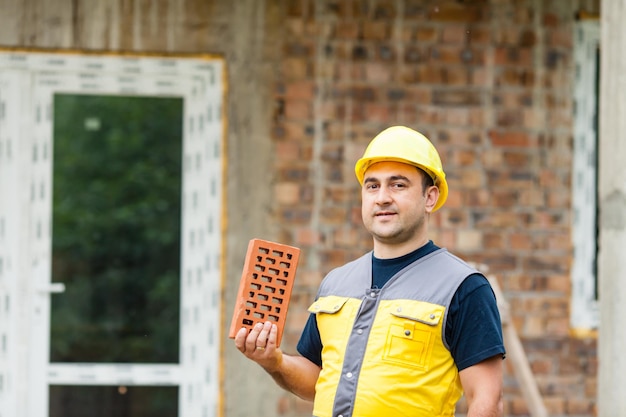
515	353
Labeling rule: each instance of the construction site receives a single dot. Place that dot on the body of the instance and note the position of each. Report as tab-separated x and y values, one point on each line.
144	145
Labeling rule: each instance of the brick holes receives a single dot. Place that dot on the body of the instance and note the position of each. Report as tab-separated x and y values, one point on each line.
265	287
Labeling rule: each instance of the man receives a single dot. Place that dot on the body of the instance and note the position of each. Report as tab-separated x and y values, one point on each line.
405	329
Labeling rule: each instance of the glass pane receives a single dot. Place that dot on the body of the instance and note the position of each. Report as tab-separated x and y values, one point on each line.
105	401
116	228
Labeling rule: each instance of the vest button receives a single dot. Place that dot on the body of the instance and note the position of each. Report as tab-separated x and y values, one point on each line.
349	375
359	331
372	294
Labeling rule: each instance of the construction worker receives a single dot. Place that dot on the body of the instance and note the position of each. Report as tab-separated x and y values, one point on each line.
407	328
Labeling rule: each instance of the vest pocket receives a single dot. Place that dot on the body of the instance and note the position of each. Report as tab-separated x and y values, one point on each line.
412	332
329	304
334	319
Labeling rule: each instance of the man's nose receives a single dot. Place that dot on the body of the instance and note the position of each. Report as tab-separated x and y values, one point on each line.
383	195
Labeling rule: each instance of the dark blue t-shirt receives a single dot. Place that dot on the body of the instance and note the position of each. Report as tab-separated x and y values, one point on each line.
473	329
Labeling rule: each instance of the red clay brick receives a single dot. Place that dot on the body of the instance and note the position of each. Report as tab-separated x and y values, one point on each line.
303	90
347	30
307	237
376	30
452	12
295	69
287	193
454	34
426	34
265	287
507	138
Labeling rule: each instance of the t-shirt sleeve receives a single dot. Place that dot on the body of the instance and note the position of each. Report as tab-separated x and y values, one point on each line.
474	328
310	343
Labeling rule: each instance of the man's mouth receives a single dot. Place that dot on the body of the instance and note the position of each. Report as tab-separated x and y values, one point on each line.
384	213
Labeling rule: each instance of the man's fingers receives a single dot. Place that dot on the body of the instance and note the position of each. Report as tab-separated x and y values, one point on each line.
261	340
261	337
240	339
273	335
251	340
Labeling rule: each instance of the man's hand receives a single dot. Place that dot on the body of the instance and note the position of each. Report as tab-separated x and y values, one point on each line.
296	374
260	345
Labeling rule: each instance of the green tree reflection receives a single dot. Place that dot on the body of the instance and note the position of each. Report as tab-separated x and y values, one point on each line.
116	228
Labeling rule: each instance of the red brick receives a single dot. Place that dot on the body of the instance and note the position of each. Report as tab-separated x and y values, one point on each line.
308	279
377	112
532	197
303	90
307	237
265	288
346	237
520	241
454	34
580	406
494	241
455	199
444	238
451	12
376	30
426	34
459	97
508	138
518	407
298	109
513	56
559	38
559	283
378	73
287	193
506	35
503	198
294	27
554	405
509	118
287	150
347	30
295	69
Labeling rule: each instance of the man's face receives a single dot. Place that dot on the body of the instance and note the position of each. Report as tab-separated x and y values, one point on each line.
395	204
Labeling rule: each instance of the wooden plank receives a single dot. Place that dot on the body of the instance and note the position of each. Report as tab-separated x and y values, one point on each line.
517	356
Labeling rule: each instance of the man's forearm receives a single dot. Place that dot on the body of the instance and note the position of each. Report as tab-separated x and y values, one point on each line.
298	375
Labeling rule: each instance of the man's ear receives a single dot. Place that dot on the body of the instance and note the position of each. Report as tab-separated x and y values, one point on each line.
432	195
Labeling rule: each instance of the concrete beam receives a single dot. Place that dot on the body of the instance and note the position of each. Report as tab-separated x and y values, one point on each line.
612	201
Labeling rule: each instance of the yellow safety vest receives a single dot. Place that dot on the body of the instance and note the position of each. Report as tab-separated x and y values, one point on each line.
384	353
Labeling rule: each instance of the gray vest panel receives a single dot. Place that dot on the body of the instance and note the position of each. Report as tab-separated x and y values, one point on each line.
433	278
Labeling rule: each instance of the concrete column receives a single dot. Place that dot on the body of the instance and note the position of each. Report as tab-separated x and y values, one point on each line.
612	202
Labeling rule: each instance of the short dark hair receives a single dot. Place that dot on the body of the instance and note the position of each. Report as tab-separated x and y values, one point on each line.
427	180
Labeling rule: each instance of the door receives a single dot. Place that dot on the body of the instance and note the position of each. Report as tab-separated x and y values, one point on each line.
116	170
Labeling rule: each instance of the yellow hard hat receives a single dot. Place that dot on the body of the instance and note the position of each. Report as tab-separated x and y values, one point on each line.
401	144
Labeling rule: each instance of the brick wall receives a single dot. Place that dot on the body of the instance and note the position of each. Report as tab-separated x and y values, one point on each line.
490	82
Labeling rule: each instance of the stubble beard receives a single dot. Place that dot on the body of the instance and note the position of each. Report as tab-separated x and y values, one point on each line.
398	234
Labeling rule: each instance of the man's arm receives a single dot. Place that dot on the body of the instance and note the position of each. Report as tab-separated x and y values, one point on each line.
296	374
482	384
